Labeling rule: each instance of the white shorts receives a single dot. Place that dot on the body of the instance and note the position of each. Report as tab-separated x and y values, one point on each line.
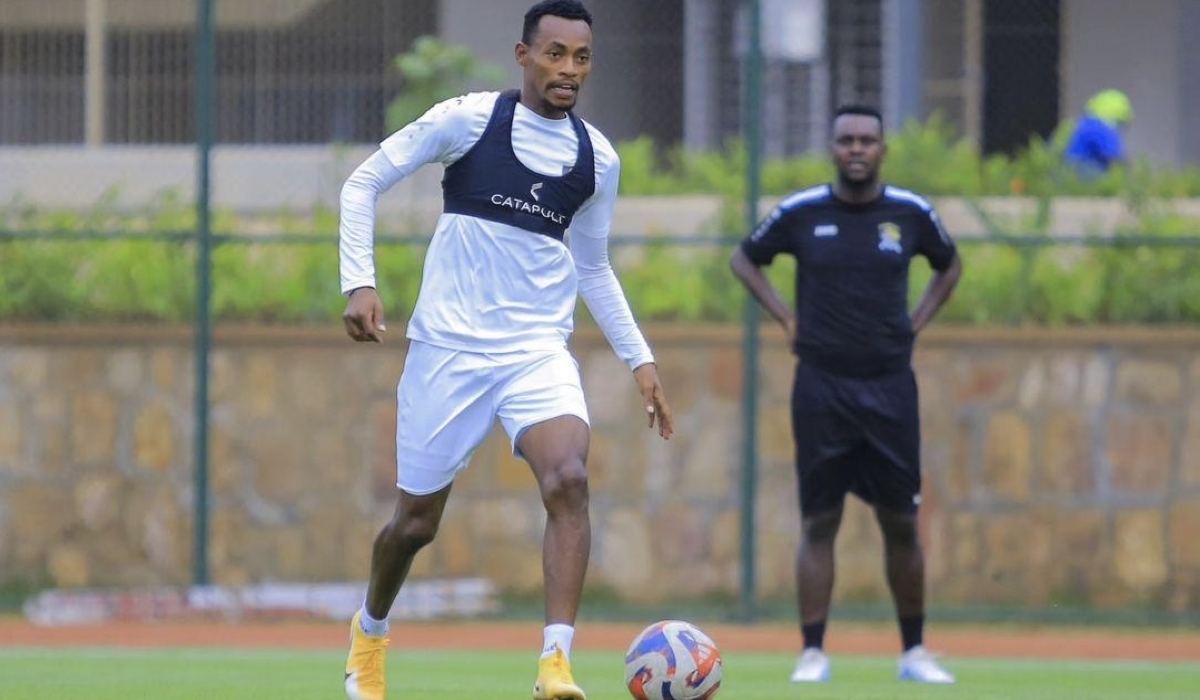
448	400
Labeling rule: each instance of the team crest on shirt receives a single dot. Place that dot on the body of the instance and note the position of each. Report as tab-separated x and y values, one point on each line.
889	237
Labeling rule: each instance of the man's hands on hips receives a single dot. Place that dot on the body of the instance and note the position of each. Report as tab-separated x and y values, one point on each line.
363	317
654	399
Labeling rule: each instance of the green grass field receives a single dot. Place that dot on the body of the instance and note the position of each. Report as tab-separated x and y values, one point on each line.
207	674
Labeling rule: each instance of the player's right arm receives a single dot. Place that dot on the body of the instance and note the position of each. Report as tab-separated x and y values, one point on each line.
443	134
363	317
752	255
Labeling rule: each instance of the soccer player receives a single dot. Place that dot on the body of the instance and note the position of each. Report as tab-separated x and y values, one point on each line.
488	336
854	397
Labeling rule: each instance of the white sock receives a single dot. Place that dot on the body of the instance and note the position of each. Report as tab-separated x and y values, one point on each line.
373	627
557	637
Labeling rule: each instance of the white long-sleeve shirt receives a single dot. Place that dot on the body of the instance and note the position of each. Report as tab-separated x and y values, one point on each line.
487	286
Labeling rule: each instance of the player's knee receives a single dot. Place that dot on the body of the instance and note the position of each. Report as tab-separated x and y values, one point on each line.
822	528
566	485
899	530
412	533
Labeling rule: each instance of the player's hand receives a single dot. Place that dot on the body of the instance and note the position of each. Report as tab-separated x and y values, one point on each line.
363	317
654	400
789	329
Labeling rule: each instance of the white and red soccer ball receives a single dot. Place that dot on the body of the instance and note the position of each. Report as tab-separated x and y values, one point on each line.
672	660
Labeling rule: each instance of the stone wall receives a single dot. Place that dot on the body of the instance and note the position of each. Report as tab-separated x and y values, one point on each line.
1062	467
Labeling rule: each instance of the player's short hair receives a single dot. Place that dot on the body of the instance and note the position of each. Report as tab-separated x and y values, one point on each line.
567	9
858	110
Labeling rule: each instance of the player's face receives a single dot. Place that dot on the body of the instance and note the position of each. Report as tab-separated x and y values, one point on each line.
555	64
858	148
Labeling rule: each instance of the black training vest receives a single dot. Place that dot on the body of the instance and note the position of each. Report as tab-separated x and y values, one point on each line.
491	183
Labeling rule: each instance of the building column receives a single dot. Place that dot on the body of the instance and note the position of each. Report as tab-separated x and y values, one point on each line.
700	79
903	69
973	72
1189	86
95	70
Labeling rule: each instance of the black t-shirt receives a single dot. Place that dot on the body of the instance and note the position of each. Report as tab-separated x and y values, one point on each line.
852	264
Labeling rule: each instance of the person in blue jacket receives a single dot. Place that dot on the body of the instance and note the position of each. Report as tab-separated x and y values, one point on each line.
1097	142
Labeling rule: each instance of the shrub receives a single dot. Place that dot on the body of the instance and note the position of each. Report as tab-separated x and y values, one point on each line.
434	71
295	281
924	156
103	265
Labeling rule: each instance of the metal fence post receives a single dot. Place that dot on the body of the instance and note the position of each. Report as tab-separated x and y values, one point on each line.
205	107
751	319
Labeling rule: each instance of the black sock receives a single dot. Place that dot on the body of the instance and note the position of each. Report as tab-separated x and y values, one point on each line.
814	635
912	630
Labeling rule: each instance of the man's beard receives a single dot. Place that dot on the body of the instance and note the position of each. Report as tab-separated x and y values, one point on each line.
551	106
858	185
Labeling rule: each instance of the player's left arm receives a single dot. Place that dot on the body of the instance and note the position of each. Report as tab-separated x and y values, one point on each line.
602	293
936	245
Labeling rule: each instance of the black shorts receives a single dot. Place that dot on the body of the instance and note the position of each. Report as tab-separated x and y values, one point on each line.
860	436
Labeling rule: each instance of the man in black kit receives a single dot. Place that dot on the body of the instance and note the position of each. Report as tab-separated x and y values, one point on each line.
854	401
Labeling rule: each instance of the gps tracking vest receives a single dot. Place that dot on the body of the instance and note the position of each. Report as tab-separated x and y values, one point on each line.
490	183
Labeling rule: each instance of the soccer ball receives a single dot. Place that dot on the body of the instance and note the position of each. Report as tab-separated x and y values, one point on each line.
672	660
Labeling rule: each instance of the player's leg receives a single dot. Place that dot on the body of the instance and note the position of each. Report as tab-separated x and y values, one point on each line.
556	450
815	569
822	445
894	488
905	564
413	525
541	406
905	568
434	441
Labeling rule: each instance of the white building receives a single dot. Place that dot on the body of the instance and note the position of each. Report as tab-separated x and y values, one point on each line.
118	72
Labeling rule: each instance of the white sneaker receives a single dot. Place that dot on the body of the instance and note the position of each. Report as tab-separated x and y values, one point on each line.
811	667
918	664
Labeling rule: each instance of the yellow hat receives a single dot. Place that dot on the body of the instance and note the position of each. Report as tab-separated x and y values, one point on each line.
1111	107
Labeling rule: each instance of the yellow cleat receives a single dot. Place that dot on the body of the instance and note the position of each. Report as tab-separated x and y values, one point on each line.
364	667
554	680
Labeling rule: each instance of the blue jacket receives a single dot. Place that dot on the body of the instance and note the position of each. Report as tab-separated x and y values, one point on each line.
1094	145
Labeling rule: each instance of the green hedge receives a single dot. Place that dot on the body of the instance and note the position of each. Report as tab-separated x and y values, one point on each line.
926	157
81	272
147	280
